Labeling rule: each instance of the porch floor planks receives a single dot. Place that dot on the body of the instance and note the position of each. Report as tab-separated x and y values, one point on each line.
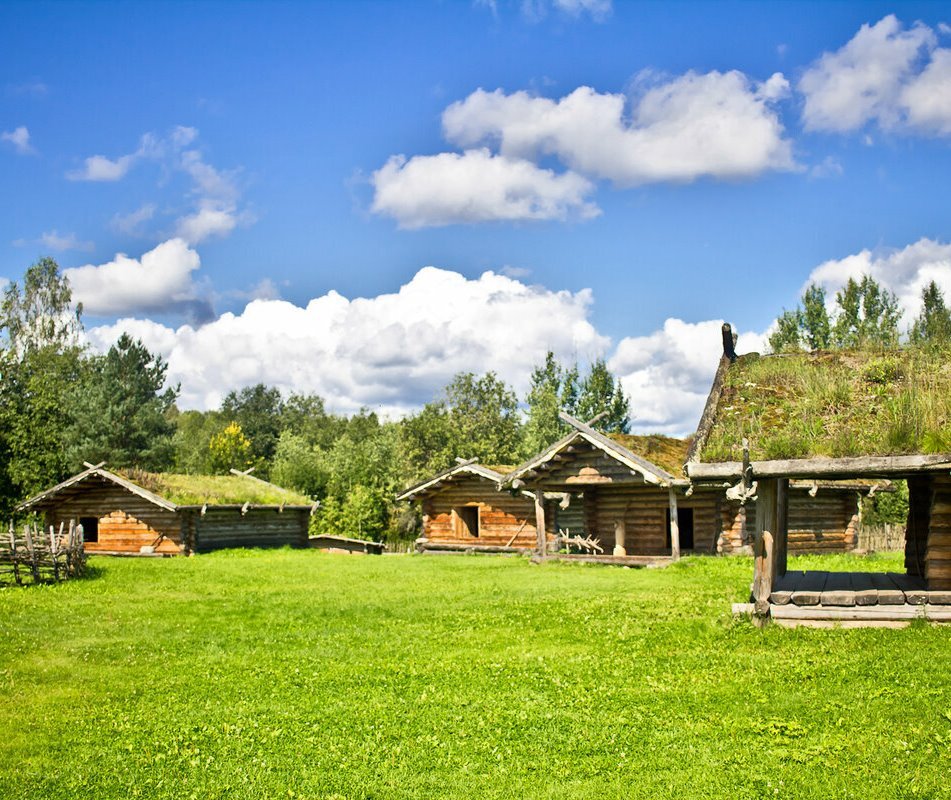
809	591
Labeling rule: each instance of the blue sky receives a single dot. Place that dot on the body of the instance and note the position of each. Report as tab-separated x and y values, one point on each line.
592	178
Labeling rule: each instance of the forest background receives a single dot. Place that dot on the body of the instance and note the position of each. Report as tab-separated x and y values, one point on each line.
62	405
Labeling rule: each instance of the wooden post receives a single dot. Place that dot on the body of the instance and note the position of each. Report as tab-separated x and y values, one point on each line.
763	575
620	535
781	534
541	540
674	525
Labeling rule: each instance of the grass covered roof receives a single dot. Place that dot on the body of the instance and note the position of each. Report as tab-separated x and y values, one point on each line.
195	490
666	452
832	404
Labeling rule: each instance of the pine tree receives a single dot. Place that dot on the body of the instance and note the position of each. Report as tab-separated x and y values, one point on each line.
933	326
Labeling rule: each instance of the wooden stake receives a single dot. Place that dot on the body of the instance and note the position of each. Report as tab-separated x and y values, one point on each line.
541	542
674	525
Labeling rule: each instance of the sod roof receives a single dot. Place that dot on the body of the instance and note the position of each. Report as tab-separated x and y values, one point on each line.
666	452
831	404
194	490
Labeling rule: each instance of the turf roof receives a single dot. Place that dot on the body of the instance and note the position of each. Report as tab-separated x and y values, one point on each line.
189	490
833	404
666	452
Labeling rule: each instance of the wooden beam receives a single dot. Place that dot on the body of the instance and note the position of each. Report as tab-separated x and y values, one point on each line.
541	541
674	525
762	575
866	466
781	534
620	535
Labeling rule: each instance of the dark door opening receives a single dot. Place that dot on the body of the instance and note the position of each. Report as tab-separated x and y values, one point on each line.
468	520
90	528
685	524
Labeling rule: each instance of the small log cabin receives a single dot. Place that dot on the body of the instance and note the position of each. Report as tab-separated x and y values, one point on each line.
632	503
876	430
174	514
463	509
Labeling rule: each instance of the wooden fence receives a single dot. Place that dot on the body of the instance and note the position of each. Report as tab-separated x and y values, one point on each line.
36	556
880	538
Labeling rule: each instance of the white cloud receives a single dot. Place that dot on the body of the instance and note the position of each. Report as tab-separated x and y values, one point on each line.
161	281
717	124
536	10
104	169
392	352
668	373
206	222
476	186
905	272
886	73
55	241
19	138
131	223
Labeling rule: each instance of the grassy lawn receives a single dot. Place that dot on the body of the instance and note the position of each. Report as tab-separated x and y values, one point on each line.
302	674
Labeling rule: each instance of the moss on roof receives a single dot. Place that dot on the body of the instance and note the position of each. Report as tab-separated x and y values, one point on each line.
666	452
834	404
194	490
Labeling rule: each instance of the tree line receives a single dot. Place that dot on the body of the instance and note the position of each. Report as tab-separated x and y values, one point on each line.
62	405
864	315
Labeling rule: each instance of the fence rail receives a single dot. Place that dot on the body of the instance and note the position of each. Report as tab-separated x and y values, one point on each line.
37	556
881	538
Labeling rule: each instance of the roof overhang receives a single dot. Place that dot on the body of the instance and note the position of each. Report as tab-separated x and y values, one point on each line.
465	469
831	468
650	472
90	474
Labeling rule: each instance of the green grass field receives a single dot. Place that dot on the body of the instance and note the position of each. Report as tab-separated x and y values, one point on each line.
302	674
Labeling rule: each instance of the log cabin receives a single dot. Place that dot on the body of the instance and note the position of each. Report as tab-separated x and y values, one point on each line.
844	415
165	515
464	510
623	492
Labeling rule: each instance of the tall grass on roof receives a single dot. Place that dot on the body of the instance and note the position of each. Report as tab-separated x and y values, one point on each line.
195	490
835	404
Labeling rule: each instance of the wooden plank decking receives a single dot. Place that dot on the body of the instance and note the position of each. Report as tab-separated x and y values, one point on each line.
854	598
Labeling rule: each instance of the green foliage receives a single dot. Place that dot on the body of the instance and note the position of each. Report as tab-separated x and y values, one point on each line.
192	440
299	465
545	397
365	513
41	368
787	336
868	315
887	507
122	414
477	417
257	410
600	392
229	449
933	326
319	676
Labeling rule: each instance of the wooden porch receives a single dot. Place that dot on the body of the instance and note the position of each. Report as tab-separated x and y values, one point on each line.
852	598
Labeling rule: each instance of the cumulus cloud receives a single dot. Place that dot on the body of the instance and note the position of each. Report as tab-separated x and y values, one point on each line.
668	373
392	352
161	281
476	186
19	139
720	125
895	76
101	168
906	272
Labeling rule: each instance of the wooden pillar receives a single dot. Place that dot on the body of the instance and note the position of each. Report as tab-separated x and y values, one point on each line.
781	534
620	534
674	525
541	540
763	550
920	497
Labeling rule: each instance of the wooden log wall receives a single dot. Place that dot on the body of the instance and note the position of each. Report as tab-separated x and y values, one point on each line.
826	523
127	523
644	512
220	528
938	556
504	519
570	519
920	497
